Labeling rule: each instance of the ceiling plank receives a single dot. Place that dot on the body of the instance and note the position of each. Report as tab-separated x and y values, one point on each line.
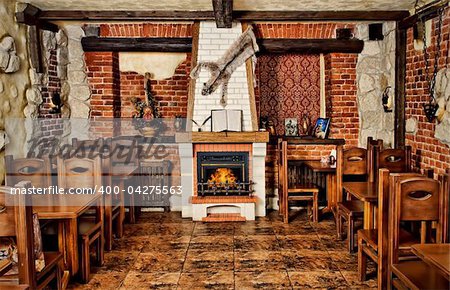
223	13
287	45
77	15
31	16
94	43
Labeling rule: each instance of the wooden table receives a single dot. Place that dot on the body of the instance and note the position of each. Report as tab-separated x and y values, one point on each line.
435	255
69	209
338	143
330	171
367	192
120	174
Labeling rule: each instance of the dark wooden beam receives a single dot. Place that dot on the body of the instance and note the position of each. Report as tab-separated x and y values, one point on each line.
34	45
31	16
378	15
136	44
223	13
286	45
53	15
427	13
320	15
400	92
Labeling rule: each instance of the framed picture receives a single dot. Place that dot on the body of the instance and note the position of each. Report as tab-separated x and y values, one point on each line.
321	128
290	127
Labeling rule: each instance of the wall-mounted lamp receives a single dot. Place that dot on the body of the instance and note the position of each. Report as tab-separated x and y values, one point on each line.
386	100
55	103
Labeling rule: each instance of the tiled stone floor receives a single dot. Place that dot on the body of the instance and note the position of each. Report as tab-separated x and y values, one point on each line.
164	251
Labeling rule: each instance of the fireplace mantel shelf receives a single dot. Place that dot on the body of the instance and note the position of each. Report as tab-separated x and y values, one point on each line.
222	137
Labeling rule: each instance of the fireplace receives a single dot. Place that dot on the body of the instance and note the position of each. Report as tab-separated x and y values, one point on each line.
223	174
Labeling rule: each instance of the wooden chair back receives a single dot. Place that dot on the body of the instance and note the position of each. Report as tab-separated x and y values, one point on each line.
396	160
79	172
35	170
445	184
16	220
371	169
355	161
414	199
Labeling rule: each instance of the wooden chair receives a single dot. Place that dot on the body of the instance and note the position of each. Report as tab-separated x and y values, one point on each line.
296	192
123	152
85	173
354	164
35	170
101	147
374	243
415	199
17	222
396	160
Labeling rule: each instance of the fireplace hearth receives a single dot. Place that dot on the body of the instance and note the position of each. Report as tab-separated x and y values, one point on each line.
223	174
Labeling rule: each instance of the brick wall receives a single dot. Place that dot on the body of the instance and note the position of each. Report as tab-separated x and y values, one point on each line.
427	150
112	89
340	91
213	43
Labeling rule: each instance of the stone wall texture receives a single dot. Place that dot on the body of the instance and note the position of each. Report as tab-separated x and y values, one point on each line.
13	86
427	150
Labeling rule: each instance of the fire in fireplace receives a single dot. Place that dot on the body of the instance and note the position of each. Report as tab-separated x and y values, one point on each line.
223	174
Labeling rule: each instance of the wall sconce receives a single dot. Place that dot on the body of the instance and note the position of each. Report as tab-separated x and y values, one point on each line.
55	103
430	110
386	100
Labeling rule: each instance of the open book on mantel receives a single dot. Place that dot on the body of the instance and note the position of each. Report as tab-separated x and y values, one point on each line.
226	120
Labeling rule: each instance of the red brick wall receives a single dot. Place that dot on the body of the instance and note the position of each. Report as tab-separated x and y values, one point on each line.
340	90
427	150
171	94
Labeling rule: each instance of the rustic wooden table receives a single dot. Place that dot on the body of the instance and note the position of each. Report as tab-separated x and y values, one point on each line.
435	255
367	192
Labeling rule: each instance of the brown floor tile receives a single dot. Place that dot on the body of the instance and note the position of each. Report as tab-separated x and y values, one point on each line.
175	229
300	242
138	280
252	228
352	279
201	261
107	281
257	260
213	229
116	261
210	280
317	279
171	261
262	280
331	242
212	243
166	243
297	229
307	260
344	260
125	243
136	230
256	243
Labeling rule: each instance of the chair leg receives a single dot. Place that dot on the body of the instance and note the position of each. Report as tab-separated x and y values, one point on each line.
362	261
350	237
100	251
339	225
85	262
315	207
308	213
286	211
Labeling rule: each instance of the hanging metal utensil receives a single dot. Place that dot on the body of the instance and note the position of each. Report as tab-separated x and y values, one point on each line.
431	107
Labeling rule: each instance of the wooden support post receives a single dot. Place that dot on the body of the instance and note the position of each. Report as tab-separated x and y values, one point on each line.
35	48
400	92
223	13
192	82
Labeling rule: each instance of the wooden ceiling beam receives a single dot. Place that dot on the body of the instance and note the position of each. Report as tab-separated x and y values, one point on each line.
94	43
223	13
77	15
287	45
426	14
31	16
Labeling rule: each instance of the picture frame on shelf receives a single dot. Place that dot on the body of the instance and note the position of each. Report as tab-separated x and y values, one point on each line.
291	127
321	128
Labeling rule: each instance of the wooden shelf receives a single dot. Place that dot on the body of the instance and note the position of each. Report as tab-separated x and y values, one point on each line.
308	141
222	137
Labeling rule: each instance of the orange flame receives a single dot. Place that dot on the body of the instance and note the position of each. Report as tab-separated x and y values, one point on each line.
223	176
